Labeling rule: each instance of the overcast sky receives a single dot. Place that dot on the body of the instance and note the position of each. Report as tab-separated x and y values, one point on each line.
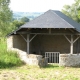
38	5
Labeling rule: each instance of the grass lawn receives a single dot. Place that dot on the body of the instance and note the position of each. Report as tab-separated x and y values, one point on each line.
51	72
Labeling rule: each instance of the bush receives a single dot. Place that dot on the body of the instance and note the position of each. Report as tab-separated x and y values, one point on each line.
8	58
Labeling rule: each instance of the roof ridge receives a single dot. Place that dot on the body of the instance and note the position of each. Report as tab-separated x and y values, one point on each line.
53	11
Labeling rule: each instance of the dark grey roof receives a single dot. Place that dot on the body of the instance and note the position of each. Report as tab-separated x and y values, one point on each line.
52	19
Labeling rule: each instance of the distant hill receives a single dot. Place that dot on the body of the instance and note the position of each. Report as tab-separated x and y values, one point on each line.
30	15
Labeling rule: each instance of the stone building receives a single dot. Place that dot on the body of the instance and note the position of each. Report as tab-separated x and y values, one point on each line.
52	31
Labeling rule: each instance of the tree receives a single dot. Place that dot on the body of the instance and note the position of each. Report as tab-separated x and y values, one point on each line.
5	16
73	10
17	23
24	19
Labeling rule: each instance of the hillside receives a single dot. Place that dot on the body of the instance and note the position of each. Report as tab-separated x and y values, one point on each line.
30	15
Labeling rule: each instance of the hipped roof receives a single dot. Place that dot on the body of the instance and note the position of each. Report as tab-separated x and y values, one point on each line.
51	19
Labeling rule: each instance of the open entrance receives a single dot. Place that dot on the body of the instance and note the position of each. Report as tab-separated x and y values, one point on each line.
52	57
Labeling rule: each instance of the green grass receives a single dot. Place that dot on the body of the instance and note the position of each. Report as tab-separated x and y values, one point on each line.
8	58
51	72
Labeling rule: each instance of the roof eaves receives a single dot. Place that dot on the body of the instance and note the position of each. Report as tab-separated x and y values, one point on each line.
14	32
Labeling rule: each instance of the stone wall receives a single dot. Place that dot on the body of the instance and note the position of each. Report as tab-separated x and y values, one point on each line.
16	42
45	43
33	59
69	60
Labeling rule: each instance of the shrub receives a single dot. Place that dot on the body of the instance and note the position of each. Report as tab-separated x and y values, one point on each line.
8	58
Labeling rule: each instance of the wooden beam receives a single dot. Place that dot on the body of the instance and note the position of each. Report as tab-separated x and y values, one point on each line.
23	32
71	30
71	42
54	34
76	39
71	49
27	40
28	43
32	37
23	37
67	38
48	33
49	30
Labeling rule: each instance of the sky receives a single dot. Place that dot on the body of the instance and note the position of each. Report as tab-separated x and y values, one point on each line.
38	5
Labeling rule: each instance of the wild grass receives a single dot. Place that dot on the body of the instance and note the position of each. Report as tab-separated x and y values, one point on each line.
51	72
8	58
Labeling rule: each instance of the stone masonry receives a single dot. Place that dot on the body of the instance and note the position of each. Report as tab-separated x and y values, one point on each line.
68	60
30	59
43	43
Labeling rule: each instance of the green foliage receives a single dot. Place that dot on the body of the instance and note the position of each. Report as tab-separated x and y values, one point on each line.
7	24
5	17
24	19
73	10
5	13
8	58
17	23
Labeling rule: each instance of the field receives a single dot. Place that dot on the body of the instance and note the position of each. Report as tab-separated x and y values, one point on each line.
51	72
